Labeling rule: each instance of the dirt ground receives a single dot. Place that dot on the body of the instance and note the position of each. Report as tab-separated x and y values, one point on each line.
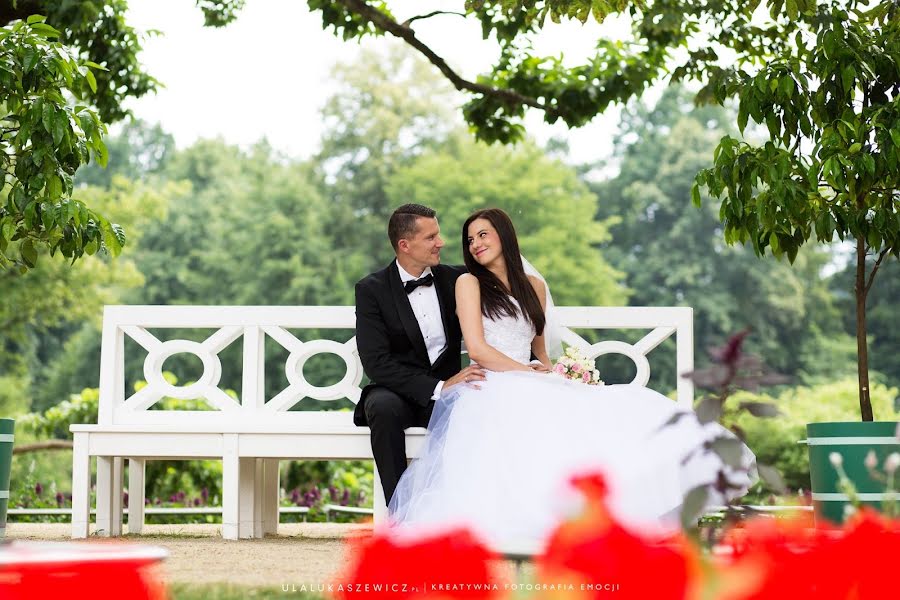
301	554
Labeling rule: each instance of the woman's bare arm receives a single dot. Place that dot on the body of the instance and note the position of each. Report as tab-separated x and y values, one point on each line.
468	309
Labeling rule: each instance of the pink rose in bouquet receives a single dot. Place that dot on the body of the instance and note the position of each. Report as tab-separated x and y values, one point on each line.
577	367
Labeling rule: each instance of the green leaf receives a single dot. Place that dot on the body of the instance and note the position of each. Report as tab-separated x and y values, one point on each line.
895	136
54	187
874	239
60	124
791	6
29	253
854	148
31	20
827	166
45	30
120	234
91	247
787	86
792	251
65	70
101	153
93	65
695	194
830	41
773	124
7	228
47	117
113	238
46	217
848	75
31	58
742	117
92	81
869	163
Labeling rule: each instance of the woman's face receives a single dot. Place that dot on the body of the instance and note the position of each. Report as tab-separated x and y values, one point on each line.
484	243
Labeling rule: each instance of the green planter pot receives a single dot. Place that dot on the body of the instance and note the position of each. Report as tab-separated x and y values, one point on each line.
6	448
852	440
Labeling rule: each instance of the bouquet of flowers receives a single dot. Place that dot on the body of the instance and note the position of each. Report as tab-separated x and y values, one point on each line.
577	367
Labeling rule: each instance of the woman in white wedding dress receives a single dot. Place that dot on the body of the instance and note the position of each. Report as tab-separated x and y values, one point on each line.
499	454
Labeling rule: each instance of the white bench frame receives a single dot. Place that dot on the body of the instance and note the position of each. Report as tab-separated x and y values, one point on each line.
252	434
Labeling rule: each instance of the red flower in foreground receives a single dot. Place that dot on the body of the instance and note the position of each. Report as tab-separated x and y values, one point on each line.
774	558
593	555
451	565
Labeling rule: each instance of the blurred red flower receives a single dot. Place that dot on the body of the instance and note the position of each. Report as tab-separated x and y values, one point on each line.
791	558
592	556
454	564
598	556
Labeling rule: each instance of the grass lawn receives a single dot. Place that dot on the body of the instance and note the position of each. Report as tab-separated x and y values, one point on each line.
226	591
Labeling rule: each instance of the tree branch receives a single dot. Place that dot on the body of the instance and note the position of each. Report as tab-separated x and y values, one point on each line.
385	23
432	14
875	269
48	445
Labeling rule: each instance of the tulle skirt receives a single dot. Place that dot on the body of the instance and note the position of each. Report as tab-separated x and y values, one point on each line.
498	460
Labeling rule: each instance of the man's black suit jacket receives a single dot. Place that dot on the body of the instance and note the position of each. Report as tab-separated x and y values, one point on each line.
390	343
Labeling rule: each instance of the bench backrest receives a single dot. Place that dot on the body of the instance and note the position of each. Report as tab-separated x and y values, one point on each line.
253	323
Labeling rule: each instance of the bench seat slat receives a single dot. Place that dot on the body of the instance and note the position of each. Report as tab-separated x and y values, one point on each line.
250	428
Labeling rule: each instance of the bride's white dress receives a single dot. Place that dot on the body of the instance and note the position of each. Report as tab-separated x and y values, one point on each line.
499	459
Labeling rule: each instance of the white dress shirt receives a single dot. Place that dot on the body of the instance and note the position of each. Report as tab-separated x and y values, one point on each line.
427	309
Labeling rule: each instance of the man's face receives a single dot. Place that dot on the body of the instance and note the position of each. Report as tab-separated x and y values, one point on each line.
423	248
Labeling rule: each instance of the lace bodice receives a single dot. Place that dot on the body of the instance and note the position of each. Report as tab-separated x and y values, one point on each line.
510	335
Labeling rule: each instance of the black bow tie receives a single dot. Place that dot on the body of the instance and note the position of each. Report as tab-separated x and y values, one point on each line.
412	284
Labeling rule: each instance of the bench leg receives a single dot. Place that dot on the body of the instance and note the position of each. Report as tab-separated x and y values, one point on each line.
270	495
230	497
104	495
378	504
81	486
247	497
117	481
136	469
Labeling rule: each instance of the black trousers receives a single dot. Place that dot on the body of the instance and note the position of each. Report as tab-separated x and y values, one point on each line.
389	415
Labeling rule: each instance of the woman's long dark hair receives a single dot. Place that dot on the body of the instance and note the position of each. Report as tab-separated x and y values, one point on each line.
494	300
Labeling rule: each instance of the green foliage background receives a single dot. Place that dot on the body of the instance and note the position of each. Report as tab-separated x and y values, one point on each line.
216	224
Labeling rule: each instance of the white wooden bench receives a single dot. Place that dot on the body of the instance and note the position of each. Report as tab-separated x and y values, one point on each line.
253	433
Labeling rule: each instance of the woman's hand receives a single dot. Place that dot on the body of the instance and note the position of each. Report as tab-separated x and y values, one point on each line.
539	367
470	375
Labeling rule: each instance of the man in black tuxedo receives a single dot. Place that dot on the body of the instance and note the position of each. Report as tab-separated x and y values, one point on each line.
408	338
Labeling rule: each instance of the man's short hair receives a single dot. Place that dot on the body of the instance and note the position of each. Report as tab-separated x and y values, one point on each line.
402	223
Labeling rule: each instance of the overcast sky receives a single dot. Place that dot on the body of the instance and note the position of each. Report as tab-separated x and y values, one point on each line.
267	74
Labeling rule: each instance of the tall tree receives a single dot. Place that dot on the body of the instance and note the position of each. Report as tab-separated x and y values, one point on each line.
832	165
673	255
387	110
136	151
551	209
251	231
40	309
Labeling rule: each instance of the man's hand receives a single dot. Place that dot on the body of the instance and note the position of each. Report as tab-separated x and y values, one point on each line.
469	375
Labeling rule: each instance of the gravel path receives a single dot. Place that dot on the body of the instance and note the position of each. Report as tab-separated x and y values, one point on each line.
301	554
